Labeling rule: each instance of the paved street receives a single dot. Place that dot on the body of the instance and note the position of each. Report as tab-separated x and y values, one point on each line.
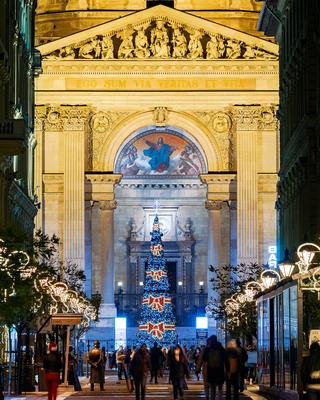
114	390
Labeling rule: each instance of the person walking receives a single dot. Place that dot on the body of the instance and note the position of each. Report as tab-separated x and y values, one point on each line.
232	370
156	361
72	370
52	365
139	367
97	363
120	357
214	356
196	357
178	371
243	358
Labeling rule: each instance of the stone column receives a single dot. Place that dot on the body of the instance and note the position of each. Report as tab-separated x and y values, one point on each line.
250	121
107	207
74	204
40	113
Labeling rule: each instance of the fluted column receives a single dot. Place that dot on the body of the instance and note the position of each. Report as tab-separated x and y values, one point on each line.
251	120
107	256
40	114
74	205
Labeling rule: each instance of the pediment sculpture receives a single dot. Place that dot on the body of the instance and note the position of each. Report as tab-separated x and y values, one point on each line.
160	39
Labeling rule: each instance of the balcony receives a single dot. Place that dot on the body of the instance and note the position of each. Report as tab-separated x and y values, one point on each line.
12	136
186	306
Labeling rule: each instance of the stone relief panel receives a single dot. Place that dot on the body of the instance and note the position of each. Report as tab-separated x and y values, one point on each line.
161	39
101	124
222	130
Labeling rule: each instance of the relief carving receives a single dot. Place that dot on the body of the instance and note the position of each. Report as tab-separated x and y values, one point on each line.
214	204
256	117
101	124
220	125
160	116
107	205
159	38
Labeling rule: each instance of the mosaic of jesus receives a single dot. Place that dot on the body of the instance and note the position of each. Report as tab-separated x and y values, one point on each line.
160	154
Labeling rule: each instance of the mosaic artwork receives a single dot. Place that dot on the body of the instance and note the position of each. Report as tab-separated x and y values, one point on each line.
160	154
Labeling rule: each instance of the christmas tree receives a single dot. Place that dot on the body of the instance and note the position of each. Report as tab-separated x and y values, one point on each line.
157	321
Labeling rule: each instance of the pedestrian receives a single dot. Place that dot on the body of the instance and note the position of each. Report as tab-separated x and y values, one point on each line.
120	357
310	370
97	363
196	356
178	371
139	367
243	358
232	370
52	366
214	358
72	370
156	361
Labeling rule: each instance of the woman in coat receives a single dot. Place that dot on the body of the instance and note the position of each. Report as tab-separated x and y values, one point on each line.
178	367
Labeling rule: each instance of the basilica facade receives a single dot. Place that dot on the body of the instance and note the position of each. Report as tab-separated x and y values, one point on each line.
161	104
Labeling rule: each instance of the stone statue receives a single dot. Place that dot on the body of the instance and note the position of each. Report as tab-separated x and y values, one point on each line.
67	53
213	48
233	49
195	46
160	40
221	47
141	44
160	116
106	47
96	359
126	48
179	43
86	49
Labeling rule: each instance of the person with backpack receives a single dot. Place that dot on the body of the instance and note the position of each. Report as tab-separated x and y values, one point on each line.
214	357
232	365
178	367
139	367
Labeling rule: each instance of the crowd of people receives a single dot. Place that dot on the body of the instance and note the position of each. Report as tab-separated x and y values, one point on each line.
214	363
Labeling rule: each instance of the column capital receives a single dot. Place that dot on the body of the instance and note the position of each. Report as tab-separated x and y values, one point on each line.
107	205
214	204
255	117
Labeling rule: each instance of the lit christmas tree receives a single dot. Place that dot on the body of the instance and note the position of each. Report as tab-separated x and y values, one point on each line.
157	321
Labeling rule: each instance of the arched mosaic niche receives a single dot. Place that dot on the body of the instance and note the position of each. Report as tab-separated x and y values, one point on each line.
157	152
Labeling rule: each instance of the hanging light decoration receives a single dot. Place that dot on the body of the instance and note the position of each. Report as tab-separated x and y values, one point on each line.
269	278
286	269
306	256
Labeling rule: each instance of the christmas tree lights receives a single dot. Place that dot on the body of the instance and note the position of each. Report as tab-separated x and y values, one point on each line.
157	321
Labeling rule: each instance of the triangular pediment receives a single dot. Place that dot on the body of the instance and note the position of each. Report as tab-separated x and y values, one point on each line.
159	33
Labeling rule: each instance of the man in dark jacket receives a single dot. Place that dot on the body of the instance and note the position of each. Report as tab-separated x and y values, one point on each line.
97	363
156	361
243	358
139	368
52	365
214	357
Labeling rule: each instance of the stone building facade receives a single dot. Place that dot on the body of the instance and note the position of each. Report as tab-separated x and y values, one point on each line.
18	65
295	25
161	104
